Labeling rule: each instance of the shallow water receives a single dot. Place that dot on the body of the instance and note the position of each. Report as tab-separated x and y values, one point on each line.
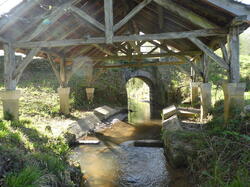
116	162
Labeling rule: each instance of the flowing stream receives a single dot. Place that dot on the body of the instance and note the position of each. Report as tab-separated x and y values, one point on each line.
117	162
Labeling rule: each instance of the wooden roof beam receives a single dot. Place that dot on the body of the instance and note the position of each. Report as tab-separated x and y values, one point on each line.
102	40
186	14
131	14
88	18
53	17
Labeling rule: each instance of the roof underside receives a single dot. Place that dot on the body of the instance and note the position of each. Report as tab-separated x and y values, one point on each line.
151	19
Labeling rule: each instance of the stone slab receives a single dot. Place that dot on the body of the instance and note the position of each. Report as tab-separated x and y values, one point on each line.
169	111
105	112
172	124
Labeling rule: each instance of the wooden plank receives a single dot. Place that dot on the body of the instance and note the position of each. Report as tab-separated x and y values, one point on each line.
209	52
53	17
186	14
5	23
108	9
21	67
131	14
102	40
88	18
233	51
140	64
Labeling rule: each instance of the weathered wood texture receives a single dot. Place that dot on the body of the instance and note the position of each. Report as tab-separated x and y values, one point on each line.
210	52
140	64
186	14
233	54
102	40
108	9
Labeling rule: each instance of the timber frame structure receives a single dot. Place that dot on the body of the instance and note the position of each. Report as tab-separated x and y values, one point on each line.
113	30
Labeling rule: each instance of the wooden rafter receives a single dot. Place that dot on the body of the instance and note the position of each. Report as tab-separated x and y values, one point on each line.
186	14
87	17
53	17
131	14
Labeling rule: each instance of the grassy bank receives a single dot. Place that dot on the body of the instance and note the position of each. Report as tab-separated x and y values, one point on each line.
31	158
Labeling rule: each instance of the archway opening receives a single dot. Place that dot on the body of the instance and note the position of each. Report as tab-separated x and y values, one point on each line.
139	91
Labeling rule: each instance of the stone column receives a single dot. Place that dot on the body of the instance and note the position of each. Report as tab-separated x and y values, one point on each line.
234	98
194	86
206	99
64	99
10	99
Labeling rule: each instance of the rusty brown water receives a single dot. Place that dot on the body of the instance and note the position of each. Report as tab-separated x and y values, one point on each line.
116	162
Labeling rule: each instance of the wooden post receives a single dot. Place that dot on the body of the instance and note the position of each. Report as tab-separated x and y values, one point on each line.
108	8
10	97
234	90
9	67
233	52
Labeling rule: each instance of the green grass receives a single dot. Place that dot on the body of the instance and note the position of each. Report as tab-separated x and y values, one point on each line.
30	158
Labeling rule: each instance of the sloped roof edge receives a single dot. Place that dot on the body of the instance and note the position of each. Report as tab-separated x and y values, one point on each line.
233	6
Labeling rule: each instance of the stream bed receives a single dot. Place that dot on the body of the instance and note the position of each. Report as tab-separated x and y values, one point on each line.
117	162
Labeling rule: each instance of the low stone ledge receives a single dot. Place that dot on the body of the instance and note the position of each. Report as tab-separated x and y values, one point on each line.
169	111
105	112
176	145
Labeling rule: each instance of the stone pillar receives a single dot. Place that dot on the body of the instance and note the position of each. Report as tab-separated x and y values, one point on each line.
206	99
90	94
194	86
10	99
234	98
64	99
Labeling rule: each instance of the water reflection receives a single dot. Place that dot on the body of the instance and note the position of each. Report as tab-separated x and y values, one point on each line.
139	111
138	101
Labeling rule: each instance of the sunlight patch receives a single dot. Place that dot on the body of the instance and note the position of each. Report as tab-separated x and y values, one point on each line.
7	5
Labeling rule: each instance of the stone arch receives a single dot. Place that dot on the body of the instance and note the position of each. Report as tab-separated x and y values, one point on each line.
151	81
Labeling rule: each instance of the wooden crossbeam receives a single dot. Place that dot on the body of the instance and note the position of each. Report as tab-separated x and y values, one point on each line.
209	52
143	56
186	14
53	17
108	52
102	40
88	18
108	9
131	14
140	64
